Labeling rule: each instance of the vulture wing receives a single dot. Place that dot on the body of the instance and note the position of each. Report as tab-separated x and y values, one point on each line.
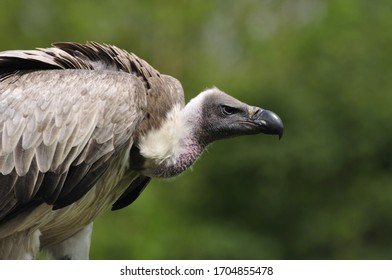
59	131
64	114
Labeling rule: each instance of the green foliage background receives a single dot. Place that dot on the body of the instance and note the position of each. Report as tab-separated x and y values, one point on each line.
322	192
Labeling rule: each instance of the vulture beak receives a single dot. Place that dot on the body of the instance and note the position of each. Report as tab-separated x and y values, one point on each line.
267	121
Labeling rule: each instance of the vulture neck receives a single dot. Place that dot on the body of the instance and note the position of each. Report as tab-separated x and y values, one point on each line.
176	145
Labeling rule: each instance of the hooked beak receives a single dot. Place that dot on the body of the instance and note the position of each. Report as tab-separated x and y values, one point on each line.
268	122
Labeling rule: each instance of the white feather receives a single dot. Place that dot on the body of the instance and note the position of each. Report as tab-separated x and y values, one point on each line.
165	143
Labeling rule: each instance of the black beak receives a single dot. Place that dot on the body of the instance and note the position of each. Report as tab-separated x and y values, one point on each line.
269	122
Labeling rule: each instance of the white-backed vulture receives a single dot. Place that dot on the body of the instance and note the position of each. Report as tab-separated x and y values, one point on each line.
83	128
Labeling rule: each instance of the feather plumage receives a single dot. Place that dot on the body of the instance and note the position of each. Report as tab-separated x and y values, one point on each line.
66	113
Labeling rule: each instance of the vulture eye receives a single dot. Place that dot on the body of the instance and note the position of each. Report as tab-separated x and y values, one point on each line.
227	110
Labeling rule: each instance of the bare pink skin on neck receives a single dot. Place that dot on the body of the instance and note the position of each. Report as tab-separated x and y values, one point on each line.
184	161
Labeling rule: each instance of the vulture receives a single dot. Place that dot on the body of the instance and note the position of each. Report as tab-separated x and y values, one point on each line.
84	128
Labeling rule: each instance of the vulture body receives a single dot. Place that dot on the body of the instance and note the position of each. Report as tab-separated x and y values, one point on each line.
83	129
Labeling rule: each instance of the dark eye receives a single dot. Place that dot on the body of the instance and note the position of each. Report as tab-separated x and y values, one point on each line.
227	110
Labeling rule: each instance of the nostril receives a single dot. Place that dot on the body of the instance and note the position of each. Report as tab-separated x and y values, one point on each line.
256	113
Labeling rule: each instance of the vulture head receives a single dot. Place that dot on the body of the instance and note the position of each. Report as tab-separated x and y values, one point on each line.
212	115
223	116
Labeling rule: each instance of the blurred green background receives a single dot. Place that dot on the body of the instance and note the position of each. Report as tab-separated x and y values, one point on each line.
322	192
